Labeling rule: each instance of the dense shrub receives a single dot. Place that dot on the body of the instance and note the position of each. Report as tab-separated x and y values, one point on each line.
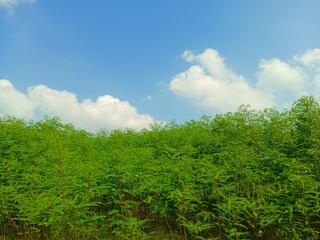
242	175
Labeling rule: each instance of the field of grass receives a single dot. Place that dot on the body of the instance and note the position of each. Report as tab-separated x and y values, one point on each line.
242	175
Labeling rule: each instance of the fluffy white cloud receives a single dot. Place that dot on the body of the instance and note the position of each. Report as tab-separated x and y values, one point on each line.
210	83
13	3
311	58
276	76
106	112
14	103
316	85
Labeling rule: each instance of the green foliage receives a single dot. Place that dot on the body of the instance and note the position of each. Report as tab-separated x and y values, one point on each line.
242	175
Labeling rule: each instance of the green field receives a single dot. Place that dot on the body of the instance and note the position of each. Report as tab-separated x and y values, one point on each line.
242	175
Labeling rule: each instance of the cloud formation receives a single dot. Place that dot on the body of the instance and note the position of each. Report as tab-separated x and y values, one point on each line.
14	3
311	58
14	103
106	112
211	84
276	76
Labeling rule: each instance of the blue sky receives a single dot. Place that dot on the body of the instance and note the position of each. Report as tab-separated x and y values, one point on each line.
109	64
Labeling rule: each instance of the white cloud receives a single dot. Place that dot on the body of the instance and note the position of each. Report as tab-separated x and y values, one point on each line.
211	84
276	76
316	85
310	58
14	103
106	112
13	3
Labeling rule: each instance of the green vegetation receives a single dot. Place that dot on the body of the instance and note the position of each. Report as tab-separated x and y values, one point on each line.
242	175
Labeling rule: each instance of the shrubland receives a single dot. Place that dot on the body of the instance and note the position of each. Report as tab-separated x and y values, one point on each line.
242	175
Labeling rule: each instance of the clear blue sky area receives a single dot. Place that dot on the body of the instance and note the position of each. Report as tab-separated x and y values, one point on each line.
132	50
